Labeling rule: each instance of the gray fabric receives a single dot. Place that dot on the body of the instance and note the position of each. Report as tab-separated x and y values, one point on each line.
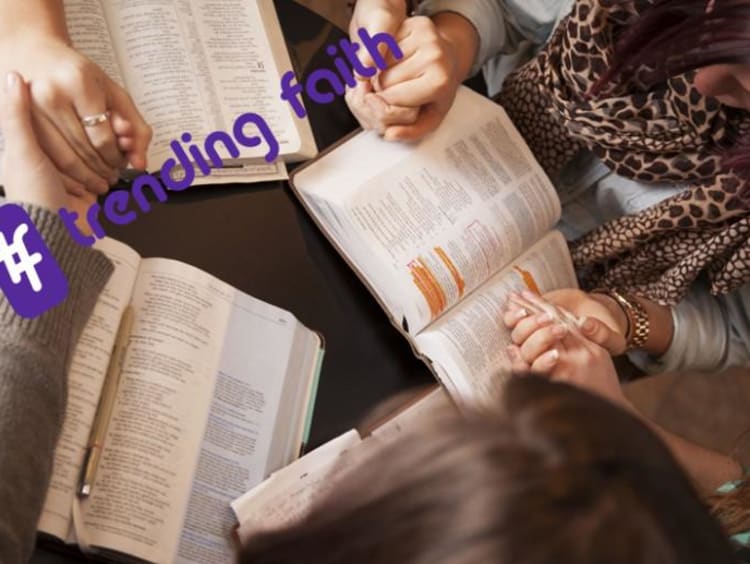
505	27
710	333
34	359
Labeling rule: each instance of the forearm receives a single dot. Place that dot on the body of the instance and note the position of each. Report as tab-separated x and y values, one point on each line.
708	469
18	17
34	358
463	38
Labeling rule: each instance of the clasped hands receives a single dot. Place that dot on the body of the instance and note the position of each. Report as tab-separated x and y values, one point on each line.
580	356
64	88
412	96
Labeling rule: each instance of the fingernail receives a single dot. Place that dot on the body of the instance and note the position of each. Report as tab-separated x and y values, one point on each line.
520	314
511	350
551	357
530	295
588	325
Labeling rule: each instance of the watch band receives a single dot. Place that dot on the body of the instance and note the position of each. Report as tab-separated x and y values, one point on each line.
639	326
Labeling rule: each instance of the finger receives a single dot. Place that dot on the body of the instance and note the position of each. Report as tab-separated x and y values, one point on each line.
92	100
403	71
72	187
103	139
380	20
125	144
15	116
120	125
355	100
386	115
430	86
542	341
64	158
600	333
546	363
529	325
121	102
96	145
429	120
517	364
513	314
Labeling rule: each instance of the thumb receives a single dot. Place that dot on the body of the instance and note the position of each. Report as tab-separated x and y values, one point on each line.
15	115
139	131
380	20
601	334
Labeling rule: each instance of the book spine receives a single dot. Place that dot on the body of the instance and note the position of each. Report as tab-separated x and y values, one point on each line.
311	403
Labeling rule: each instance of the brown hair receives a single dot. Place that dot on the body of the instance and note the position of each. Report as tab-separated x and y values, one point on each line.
559	476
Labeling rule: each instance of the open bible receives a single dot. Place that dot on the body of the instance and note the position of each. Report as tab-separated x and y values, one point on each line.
216	391
440	231
194	66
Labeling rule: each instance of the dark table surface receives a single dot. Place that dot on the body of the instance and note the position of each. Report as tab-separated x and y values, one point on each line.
259	239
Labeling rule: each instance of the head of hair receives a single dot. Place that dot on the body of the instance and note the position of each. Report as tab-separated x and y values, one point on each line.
673	37
554	475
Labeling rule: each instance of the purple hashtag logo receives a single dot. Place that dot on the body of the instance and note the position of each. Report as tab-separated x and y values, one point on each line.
30	277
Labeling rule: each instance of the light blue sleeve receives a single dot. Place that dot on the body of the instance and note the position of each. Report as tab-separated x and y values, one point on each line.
710	333
503	25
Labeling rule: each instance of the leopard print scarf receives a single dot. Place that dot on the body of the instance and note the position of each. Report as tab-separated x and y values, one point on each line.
666	134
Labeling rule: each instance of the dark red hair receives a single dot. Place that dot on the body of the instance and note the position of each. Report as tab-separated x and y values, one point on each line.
676	36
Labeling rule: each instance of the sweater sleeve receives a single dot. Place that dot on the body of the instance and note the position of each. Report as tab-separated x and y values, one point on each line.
711	333
34	359
503	25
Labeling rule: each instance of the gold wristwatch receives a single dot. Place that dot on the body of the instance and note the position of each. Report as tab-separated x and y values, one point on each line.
639	327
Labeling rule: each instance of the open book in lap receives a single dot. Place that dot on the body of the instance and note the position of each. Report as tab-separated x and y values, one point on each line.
194	66
441	230
216	392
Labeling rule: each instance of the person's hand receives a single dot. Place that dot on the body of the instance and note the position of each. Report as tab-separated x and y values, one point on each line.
371	111
603	321
427	77
411	97
65	87
376	16
545	346
29	175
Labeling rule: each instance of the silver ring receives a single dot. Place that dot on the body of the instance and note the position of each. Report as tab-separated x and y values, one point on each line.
93	121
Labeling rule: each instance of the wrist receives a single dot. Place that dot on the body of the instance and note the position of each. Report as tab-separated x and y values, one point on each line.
33	33
462	39
38	18
615	310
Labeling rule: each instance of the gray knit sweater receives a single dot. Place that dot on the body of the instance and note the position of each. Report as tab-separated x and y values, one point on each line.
34	359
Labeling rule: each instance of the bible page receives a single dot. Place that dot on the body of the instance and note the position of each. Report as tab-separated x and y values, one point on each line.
287	495
194	66
427	223
243	421
85	380
151	449
469	342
